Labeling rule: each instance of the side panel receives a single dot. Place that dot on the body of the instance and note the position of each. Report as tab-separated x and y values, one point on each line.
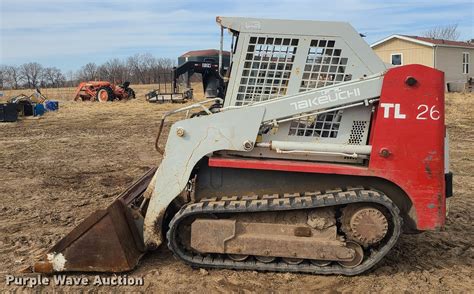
407	140
410	127
450	60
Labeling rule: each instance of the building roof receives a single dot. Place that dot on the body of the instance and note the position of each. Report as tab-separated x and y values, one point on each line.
426	41
206	52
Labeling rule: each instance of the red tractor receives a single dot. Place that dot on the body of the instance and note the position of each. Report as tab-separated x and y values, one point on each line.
103	91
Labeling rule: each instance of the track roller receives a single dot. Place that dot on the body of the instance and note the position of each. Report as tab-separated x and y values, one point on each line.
358	256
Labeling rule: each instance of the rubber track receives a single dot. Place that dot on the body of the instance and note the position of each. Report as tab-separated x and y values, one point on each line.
266	203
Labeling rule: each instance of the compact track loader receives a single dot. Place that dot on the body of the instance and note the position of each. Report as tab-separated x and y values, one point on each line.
316	161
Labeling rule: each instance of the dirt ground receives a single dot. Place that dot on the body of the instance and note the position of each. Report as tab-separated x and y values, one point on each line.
56	170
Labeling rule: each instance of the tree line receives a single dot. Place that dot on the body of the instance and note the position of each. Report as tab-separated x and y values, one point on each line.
137	69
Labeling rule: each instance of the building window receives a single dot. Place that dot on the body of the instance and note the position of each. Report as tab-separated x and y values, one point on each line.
465	62
396	58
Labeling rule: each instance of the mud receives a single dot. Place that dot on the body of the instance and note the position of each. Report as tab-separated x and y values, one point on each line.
56	170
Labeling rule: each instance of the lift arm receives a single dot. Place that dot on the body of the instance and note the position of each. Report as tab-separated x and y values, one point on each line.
327	98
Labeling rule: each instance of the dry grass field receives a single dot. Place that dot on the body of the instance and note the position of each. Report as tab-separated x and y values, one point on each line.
56	170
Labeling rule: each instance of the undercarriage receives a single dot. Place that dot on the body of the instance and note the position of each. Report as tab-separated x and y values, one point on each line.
341	231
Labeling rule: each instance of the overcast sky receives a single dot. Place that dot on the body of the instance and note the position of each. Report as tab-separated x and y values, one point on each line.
70	33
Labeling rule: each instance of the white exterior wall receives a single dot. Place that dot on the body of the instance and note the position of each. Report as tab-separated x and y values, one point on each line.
449	60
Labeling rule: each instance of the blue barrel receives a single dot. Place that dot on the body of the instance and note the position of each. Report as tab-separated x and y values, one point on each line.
51	105
38	109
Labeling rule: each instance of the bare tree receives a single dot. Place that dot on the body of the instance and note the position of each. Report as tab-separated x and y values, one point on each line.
448	32
145	68
89	72
32	72
149	63
48	75
137	68
53	77
3	76
11	76
166	63
114	70
70	78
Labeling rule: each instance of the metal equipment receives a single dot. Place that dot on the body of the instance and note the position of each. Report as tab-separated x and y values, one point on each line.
30	105
203	62
169	90
317	159
8	112
103	91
